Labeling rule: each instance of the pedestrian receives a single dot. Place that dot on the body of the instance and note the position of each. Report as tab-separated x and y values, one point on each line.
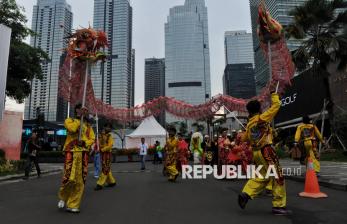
224	146
106	144
76	161
307	134
171	155
158	154
195	148
207	146
259	135
97	161
33	149
143	148
182	152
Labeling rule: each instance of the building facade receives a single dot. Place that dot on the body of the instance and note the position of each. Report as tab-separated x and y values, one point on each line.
238	47
279	10
113	80
52	21
238	80
187	56
155	82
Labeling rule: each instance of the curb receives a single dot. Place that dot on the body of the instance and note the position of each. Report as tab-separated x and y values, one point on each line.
20	176
325	183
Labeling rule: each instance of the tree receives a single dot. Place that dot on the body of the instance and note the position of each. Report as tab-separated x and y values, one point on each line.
24	61
324	39
323	34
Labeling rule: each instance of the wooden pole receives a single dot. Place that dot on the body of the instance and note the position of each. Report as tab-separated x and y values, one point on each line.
84	98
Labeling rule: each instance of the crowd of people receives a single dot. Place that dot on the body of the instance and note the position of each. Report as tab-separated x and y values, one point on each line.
253	145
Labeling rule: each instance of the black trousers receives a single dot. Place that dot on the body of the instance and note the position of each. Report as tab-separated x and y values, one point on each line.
30	160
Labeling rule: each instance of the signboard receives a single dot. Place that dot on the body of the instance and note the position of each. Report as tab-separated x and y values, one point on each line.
305	97
5	38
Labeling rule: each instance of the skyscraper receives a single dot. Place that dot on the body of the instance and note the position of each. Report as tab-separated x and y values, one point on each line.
238	80
279	10
187	56
52	21
238	47
113	80
155	81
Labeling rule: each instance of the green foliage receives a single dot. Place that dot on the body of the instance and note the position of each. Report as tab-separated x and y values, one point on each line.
11	167
24	60
321	29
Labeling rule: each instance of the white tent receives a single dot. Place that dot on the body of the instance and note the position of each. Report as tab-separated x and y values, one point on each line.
149	129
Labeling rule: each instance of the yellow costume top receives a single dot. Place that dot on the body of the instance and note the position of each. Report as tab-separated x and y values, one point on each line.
171	145
106	142
258	130
307	132
71	143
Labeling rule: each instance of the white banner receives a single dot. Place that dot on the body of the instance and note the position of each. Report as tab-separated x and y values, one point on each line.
5	38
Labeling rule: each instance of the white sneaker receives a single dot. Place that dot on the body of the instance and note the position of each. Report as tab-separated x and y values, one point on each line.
61	204
73	210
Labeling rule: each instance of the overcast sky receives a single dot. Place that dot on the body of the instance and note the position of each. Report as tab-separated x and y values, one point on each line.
148	32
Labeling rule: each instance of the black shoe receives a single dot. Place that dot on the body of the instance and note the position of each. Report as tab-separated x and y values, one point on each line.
25	178
243	199
176	176
98	187
280	211
111	185
268	193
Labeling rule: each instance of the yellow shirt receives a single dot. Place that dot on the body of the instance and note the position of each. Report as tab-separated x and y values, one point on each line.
258	130
73	126
307	132
106	142
171	145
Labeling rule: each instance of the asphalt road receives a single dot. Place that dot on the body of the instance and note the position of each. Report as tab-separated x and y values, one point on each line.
147	197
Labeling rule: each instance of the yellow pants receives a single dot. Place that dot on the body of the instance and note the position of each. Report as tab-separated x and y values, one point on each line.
255	186
172	171
311	152
106	178
71	192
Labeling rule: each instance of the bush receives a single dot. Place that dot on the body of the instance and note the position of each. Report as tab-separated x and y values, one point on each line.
10	167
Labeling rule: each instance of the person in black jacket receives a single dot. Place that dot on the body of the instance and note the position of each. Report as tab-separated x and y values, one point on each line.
33	149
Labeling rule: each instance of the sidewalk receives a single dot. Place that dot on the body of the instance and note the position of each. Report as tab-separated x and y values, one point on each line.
46	168
333	174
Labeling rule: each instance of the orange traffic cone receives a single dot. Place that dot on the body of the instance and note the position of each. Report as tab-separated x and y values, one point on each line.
311	183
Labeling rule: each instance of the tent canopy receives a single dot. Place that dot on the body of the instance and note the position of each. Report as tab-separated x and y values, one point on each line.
148	128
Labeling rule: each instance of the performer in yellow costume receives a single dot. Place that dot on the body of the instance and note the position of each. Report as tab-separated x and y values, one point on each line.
76	161
171	155
259	135
106	144
307	133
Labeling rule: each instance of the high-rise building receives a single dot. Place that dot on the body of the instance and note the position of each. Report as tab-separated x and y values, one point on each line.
187	56
155	81
52	21
238	47
279	10
132	80
113	79
238	80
